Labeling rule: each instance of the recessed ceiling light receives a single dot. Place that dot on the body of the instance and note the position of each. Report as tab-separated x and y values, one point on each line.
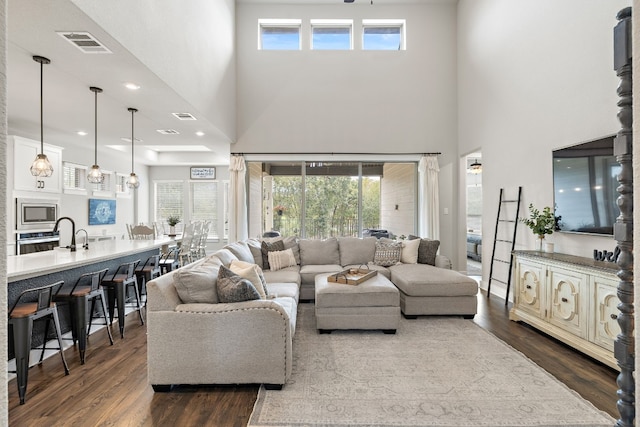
132	86
81	133
184	116
125	139
178	148
200	133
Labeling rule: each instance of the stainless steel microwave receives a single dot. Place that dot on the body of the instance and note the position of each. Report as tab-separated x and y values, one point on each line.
34	214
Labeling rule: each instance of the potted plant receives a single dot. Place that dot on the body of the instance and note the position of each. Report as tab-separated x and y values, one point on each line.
172	220
279	209
540	222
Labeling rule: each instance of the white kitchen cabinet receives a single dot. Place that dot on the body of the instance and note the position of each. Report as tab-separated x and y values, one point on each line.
573	299
24	152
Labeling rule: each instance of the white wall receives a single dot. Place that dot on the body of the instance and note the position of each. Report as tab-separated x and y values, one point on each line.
190	47
534	76
353	101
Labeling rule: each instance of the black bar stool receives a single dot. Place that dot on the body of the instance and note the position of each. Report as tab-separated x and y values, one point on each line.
169	261
149	270
86	288
117	284
21	317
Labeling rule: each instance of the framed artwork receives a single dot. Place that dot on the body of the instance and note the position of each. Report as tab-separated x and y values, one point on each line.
102	211
203	173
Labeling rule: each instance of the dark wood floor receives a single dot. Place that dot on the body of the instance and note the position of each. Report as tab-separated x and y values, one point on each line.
111	388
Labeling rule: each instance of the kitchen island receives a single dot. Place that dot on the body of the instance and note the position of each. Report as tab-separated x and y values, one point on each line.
42	268
21	267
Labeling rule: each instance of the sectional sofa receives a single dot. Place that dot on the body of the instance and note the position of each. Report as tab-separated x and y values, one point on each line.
251	341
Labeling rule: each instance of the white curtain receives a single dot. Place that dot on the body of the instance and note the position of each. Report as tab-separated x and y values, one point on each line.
238	229
429	197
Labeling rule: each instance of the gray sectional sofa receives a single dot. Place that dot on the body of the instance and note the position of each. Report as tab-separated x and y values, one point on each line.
251	341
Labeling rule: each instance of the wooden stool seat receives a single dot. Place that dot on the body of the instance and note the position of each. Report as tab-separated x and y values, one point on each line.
26	309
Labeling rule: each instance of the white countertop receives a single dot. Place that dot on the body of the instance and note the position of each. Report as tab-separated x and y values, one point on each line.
21	267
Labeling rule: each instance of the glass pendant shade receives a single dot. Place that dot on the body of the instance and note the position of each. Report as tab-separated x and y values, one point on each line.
41	166
133	181
95	175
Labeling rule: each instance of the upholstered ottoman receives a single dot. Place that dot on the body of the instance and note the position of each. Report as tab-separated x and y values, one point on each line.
429	290
373	304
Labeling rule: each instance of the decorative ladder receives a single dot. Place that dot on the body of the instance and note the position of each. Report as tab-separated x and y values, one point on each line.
504	222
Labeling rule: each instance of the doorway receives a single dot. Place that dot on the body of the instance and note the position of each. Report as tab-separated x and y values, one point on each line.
473	209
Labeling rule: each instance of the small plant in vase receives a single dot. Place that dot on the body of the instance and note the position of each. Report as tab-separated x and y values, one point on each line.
279	209
172	220
540	222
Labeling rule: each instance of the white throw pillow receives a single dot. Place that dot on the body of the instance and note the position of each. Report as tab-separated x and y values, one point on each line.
281	259
252	273
410	251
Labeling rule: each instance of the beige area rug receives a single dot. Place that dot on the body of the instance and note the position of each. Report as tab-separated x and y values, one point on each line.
435	371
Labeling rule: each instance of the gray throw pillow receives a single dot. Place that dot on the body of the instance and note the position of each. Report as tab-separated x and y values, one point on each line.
233	288
387	253
427	251
270	247
241	251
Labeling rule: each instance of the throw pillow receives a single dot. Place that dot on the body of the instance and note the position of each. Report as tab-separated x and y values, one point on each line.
281	259
289	242
269	247
255	246
233	288
410	251
387	253
427	251
241	251
252	273
197	284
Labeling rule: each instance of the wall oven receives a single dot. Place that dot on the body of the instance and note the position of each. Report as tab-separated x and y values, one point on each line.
36	214
28	243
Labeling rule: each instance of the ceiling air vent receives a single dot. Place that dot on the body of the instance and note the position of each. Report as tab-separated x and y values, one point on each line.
168	131
184	116
84	41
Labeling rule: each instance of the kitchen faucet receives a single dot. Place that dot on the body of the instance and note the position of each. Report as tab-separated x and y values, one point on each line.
86	238
72	247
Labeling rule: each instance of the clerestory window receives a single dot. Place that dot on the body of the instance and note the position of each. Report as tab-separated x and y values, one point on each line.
279	34
383	34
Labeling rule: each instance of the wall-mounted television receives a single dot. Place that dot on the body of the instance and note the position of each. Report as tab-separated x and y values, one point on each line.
584	186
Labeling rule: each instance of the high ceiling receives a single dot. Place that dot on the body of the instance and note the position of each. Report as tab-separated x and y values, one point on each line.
69	104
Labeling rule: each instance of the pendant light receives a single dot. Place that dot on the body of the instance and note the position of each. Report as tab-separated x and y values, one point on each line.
95	175
41	165
133	181
475	167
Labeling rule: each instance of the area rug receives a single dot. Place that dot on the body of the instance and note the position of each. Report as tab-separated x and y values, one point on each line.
435	371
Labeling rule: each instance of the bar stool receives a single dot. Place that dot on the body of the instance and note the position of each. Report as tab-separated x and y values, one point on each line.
169	261
86	288
149	270
117	284
21	317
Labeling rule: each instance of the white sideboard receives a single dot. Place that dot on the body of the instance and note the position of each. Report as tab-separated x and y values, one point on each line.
573	299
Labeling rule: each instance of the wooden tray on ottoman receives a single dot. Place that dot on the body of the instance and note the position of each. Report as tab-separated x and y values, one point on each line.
352	276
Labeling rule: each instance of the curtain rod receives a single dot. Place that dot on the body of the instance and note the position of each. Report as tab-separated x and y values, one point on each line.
332	154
